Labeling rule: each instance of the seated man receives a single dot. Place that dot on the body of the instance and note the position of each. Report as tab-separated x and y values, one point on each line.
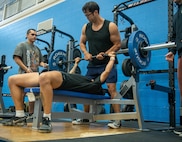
47	82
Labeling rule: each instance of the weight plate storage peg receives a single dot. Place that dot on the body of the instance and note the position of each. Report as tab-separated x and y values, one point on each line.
139	58
55	58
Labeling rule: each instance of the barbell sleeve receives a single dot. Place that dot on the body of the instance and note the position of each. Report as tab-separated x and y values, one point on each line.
149	48
159	46
6	68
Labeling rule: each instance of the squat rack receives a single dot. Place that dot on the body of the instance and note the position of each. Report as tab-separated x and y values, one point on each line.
3	70
42	29
171	89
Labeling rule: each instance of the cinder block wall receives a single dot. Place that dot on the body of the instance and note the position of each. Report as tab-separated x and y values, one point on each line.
151	18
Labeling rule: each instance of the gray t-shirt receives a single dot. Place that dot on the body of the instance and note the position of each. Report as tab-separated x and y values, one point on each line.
30	55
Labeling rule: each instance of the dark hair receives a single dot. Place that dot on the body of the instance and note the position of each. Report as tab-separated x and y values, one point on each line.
28	31
91	7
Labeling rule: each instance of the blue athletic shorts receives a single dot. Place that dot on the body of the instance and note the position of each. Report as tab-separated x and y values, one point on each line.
93	72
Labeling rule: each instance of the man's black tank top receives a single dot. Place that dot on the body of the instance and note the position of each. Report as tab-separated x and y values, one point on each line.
98	41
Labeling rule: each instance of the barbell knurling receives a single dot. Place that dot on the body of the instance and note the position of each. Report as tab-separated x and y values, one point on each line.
71	61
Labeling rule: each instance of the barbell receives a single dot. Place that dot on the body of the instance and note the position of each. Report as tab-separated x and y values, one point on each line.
138	48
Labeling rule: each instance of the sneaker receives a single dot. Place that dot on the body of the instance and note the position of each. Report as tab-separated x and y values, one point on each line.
46	126
16	121
180	134
115	124
80	122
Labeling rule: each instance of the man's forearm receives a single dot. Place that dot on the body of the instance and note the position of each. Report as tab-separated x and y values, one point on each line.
73	70
110	64
108	69
20	64
83	48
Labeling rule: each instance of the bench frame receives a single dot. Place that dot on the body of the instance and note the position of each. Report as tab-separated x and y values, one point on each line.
89	99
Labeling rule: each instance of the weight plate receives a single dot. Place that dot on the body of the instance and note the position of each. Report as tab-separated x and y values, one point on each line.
54	59
124	45
76	53
127	67
135	42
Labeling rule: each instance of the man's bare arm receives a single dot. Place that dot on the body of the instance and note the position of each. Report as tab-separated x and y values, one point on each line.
73	70
20	64
114	37
109	67
83	48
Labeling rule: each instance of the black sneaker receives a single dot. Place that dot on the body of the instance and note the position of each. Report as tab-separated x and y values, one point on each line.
46	126
15	121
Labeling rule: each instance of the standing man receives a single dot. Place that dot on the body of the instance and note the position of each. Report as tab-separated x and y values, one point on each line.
102	37
177	37
28	57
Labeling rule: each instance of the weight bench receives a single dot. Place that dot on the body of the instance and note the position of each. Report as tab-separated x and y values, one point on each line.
93	100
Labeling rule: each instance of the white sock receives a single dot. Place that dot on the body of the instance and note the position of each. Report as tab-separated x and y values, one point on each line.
20	113
47	115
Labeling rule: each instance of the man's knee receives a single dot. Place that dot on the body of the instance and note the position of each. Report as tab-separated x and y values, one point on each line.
11	80
43	78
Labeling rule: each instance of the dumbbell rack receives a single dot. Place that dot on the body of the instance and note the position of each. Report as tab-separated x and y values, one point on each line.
3	69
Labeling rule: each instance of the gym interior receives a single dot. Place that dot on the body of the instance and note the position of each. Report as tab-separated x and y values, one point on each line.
59	23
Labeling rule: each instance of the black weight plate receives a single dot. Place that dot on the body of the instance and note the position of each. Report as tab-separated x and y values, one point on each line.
127	67
76	53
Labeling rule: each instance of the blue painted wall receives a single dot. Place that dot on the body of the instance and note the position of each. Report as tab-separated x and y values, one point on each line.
152	18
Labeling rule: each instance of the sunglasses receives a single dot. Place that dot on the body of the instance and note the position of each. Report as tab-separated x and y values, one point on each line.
33	34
